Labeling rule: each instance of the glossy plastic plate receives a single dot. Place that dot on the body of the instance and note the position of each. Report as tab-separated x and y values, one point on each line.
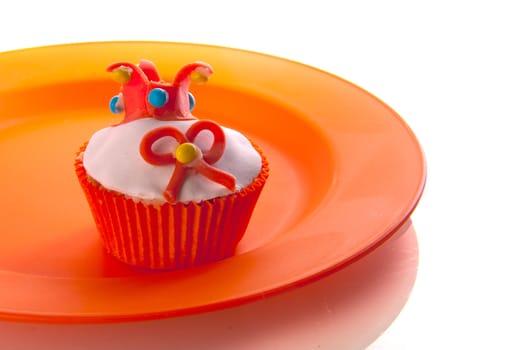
345	173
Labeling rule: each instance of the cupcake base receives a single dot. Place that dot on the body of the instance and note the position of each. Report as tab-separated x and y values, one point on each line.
170	236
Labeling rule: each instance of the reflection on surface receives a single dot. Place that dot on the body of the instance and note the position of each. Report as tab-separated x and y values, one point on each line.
346	310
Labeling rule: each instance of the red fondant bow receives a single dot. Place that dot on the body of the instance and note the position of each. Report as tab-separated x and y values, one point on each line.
187	156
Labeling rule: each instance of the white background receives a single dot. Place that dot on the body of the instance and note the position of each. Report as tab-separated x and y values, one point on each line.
454	70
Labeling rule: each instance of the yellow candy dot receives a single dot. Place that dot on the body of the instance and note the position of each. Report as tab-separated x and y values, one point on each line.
186	153
198	77
122	75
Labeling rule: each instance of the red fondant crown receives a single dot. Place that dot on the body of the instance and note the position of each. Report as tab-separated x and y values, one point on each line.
144	94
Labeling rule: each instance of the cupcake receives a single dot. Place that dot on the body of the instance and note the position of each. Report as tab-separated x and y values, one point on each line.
167	190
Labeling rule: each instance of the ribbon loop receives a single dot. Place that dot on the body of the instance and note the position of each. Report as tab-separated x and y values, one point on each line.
201	164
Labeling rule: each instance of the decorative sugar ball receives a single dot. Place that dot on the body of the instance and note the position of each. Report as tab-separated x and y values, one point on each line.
115	105
192	101
122	75
186	152
158	97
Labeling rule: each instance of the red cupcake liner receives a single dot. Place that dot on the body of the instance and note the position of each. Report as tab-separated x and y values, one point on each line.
170	236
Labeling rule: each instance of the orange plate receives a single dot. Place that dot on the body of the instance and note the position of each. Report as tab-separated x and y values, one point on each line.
346	172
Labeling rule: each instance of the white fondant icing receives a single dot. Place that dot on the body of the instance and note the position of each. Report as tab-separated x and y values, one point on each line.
112	158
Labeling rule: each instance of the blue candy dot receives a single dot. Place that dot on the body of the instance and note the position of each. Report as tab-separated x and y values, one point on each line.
192	101
114	105
158	97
